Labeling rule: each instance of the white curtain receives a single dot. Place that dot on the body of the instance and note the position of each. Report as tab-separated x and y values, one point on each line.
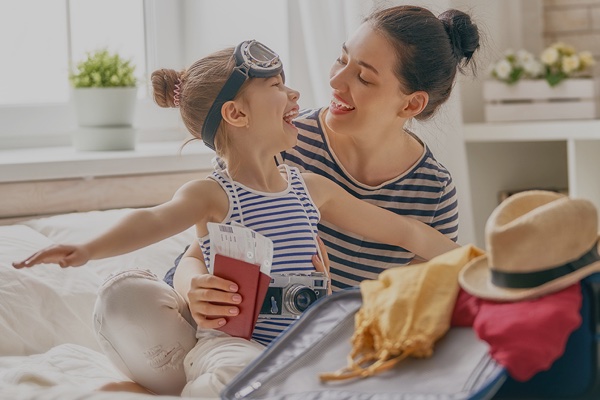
317	29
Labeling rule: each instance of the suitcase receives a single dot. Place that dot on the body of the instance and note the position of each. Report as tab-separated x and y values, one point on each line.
319	341
576	375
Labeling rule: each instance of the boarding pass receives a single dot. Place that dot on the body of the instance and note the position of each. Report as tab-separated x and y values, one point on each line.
242	243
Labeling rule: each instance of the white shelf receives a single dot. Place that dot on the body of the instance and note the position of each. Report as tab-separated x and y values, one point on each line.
531	155
17	165
532	131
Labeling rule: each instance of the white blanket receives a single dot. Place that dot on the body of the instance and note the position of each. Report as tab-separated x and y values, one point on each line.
47	348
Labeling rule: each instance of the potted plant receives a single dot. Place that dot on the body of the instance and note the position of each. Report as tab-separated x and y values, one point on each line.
557	85
104	94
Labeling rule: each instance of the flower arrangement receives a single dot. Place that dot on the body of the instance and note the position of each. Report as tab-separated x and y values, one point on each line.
103	69
557	62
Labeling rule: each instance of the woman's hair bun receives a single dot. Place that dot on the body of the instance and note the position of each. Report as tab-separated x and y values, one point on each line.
463	34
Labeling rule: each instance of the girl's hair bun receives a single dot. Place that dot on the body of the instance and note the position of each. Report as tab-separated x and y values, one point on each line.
163	86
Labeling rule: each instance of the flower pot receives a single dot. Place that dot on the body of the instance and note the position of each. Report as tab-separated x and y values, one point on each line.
536	100
105	118
105	106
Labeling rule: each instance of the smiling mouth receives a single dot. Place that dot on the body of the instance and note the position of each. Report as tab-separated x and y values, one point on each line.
340	105
290	115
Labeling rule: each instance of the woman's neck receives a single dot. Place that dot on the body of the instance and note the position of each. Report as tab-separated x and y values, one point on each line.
374	158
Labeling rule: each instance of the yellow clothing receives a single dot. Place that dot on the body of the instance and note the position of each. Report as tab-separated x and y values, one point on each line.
404	312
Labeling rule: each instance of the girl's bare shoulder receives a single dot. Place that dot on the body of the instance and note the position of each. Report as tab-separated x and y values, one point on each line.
204	193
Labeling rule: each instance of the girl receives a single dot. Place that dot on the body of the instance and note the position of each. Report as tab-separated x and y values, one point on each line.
236	101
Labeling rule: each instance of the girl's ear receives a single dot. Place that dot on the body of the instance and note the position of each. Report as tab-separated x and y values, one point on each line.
415	103
233	115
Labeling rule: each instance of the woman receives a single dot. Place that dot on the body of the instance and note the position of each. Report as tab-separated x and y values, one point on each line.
361	142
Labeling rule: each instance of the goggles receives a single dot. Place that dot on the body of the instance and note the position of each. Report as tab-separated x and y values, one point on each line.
253	60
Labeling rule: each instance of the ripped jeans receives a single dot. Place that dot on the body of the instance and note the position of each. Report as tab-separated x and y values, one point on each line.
145	328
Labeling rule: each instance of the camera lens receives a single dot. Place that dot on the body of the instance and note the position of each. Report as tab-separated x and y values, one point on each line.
299	297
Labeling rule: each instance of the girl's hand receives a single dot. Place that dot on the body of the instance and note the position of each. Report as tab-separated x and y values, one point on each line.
322	265
211	298
61	254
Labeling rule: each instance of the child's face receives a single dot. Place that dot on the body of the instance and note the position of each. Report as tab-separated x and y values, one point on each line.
272	106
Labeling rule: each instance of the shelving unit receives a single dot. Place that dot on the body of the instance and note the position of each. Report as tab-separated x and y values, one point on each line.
554	155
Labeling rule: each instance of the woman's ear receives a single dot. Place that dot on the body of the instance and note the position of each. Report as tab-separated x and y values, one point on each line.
414	104
233	115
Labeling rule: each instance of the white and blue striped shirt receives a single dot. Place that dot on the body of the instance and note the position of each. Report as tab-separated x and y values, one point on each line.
424	192
289	218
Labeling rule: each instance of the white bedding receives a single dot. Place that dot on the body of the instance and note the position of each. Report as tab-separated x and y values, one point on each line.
48	349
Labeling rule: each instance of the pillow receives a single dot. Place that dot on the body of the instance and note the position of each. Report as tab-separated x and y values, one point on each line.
44	306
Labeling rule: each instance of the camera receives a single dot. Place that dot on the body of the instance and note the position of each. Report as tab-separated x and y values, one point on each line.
290	294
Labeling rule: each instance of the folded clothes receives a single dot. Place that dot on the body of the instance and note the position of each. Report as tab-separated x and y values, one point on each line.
525	337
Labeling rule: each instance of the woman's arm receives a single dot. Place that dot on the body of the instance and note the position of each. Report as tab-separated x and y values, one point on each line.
346	211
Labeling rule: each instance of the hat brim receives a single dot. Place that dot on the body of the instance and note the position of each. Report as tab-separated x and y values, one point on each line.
475	278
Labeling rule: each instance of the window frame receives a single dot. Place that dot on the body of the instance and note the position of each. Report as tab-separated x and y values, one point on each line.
51	124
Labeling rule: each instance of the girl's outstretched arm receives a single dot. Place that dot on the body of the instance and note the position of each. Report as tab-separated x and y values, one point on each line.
378	224
193	204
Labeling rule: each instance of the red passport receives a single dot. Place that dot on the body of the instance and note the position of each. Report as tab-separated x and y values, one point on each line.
252	286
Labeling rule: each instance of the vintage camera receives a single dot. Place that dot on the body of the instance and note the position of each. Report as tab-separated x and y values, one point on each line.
290	294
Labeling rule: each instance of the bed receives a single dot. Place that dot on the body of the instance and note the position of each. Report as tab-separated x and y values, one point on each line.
48	348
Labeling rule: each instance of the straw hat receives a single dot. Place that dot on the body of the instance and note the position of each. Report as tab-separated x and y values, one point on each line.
538	242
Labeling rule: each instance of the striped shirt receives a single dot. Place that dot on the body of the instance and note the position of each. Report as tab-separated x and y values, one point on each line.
288	218
424	192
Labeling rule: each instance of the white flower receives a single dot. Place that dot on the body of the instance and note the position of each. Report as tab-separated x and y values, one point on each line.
570	64
503	69
587	59
550	56
524	57
564	48
533	68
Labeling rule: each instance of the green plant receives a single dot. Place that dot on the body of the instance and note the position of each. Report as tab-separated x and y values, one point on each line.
103	69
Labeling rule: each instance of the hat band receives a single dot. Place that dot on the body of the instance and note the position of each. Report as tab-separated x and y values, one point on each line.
526	280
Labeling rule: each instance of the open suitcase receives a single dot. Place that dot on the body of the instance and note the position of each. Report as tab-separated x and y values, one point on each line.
320	342
460	367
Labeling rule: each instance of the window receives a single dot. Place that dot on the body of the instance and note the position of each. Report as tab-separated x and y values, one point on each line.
41	39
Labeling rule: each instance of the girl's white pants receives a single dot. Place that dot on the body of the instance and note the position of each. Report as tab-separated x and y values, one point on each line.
145	328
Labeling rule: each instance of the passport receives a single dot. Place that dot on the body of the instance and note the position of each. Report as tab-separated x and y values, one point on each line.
252	286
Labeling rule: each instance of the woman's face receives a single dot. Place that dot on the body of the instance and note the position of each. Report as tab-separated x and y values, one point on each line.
366	94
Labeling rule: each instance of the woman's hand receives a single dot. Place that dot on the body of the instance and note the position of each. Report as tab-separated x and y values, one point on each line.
61	254
211	298
322	265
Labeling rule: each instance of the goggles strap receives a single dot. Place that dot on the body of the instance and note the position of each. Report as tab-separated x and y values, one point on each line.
227	93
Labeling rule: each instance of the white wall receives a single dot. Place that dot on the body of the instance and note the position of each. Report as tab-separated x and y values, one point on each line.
209	26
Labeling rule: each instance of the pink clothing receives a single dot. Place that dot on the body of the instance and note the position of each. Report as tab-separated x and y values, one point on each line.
525	337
